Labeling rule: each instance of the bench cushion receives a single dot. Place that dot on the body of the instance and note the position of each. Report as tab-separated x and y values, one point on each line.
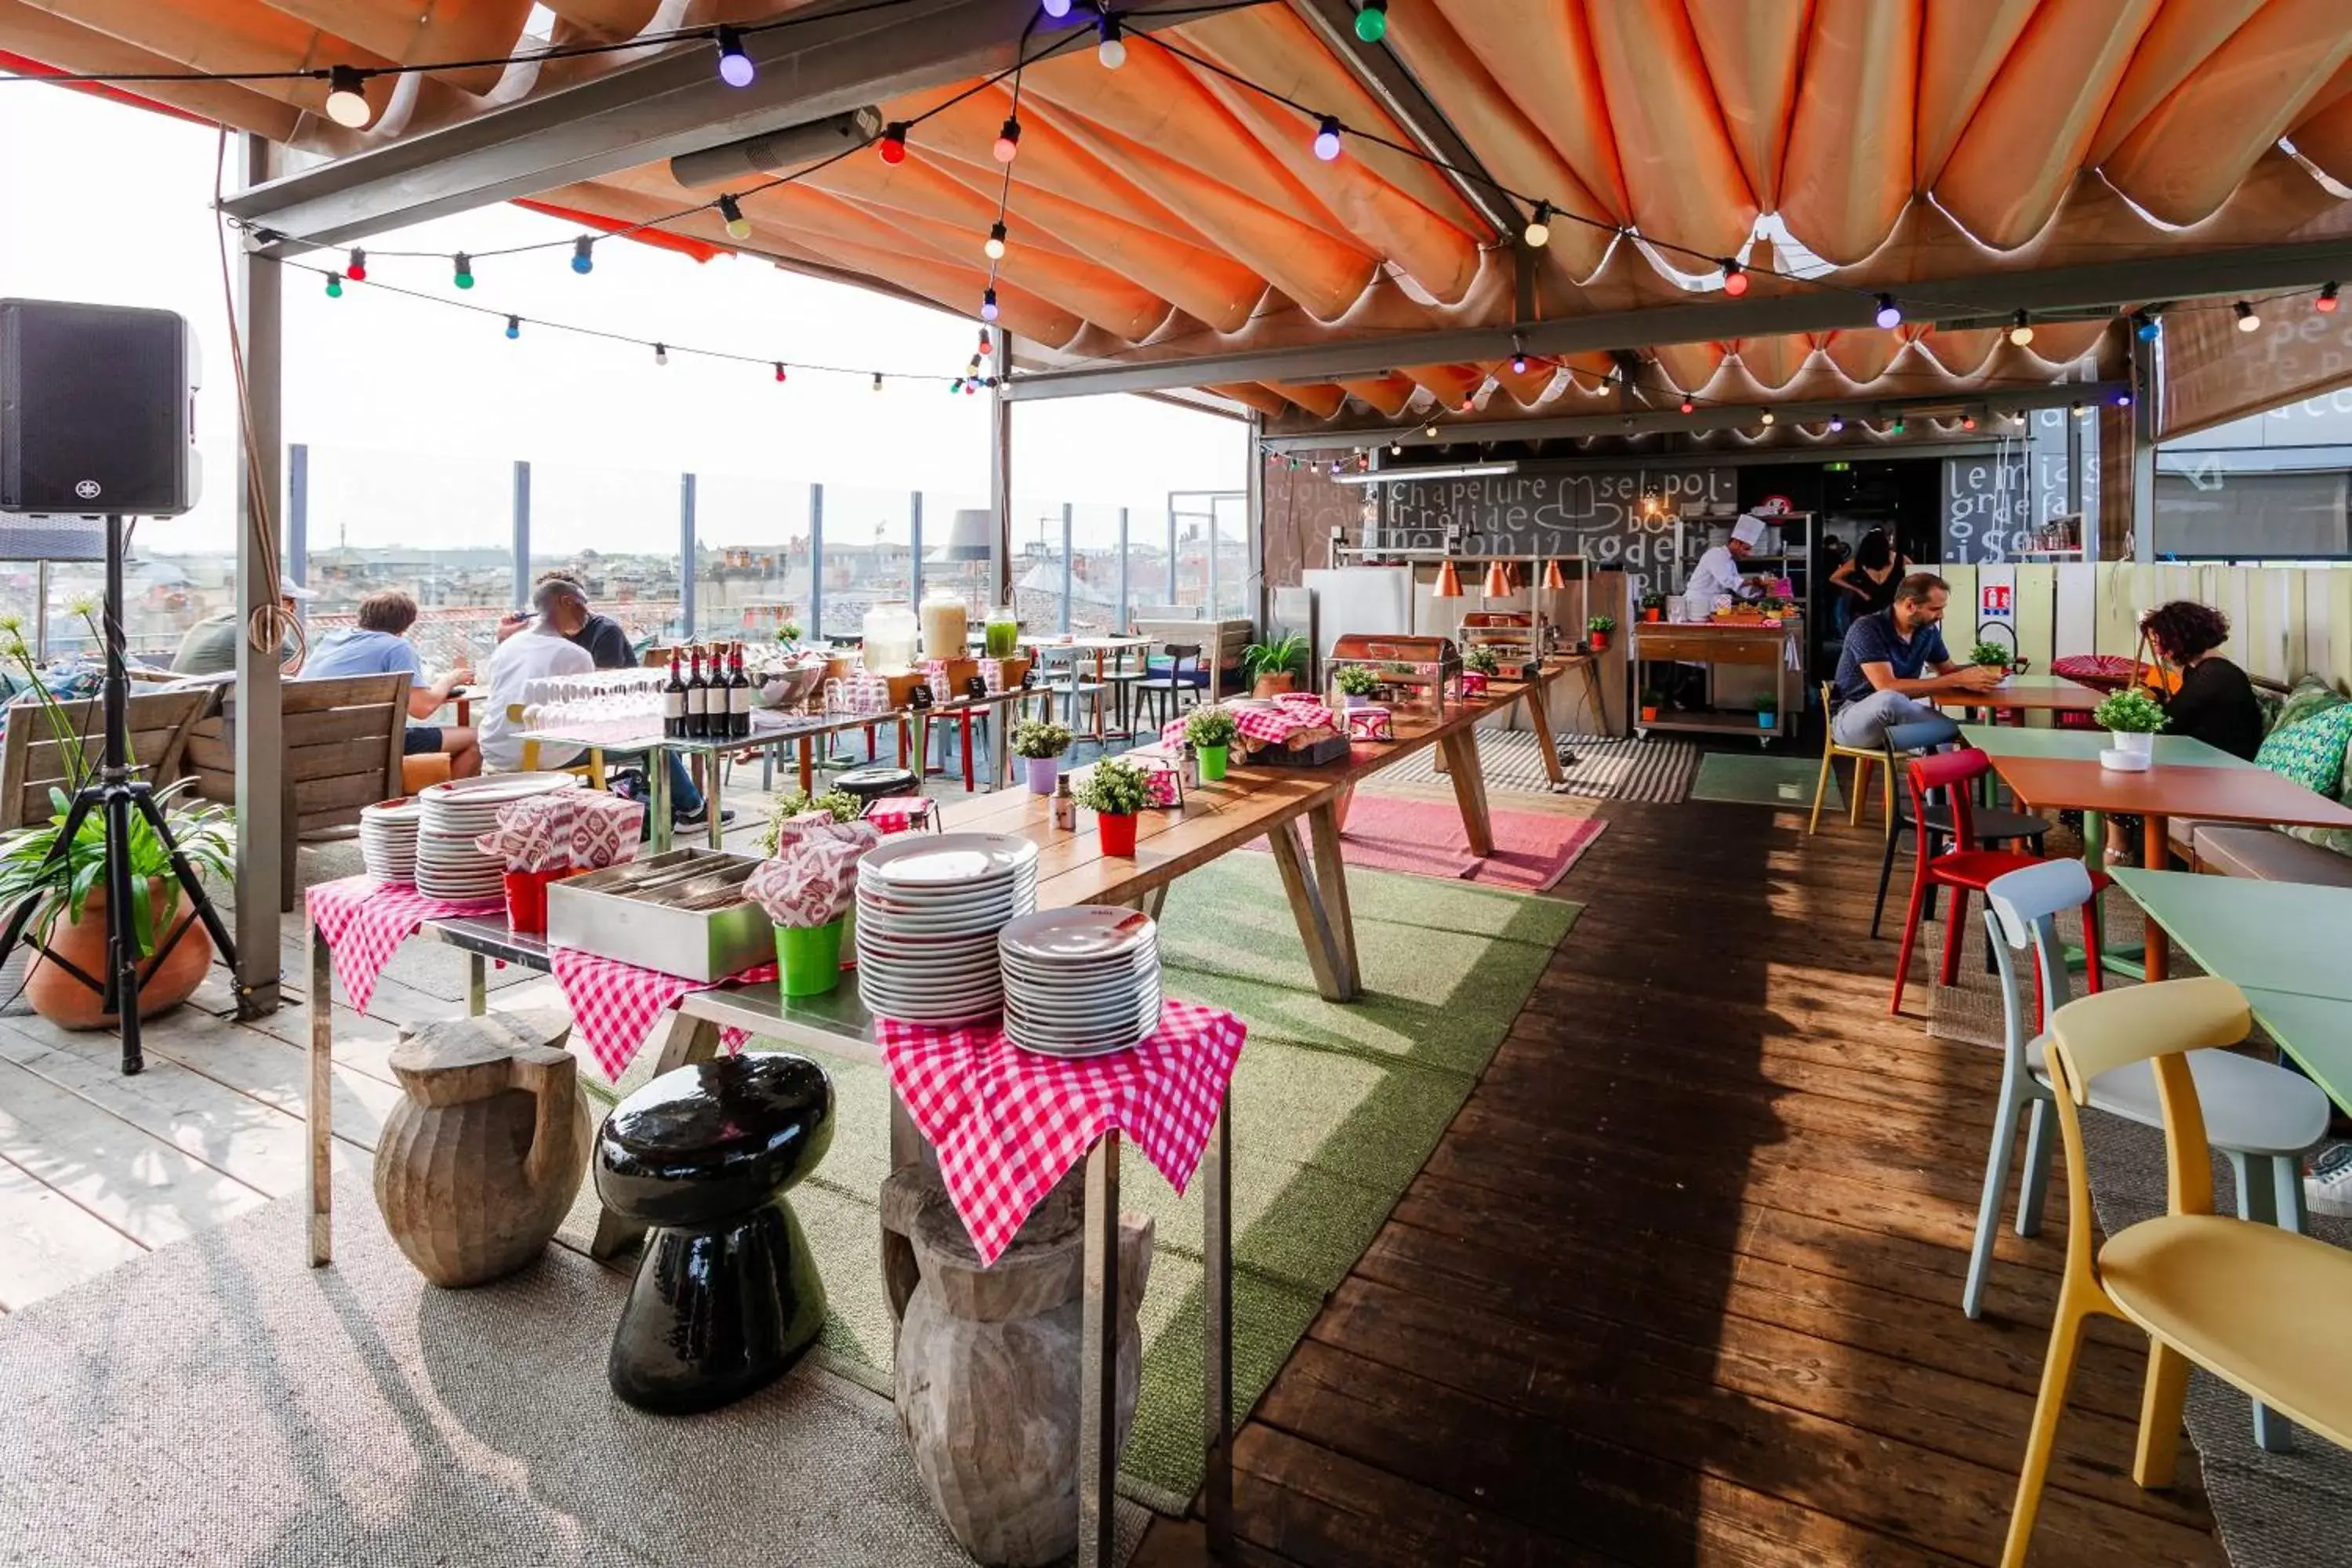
2269	856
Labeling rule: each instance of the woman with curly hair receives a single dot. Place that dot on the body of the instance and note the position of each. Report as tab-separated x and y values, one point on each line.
2216	702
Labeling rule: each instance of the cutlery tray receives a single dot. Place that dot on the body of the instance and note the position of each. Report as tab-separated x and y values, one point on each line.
683	912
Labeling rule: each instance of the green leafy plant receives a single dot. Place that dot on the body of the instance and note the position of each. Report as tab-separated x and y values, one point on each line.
1651	699
1210	727
1989	654
790	632
1603	624
1653	601
1040	738
1768	703
1357	681
2129	712
1113	788
844	807
1283	656
1482	658
205	834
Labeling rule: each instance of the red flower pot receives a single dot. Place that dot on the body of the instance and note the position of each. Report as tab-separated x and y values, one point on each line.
1600	642
1117	833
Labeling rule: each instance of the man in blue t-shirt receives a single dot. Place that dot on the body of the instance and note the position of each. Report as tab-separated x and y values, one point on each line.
1892	658
379	645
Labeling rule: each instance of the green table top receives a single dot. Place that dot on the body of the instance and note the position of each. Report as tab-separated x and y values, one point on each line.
2085	745
2317	1031
2275	936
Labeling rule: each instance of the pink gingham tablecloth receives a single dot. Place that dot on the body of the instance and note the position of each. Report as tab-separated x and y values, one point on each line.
613	1005
1266	726
1370	723
365	921
1009	1123
897	812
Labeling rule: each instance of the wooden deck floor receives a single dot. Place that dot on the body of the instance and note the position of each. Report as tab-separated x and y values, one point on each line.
1682	1284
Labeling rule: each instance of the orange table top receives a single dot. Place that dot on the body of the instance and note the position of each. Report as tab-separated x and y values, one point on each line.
2169	789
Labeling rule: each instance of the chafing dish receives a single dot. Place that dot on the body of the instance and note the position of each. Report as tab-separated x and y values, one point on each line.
1417	671
682	912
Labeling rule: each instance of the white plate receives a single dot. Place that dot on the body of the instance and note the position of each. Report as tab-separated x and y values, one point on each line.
1049	976
1084	1048
1078	1010
968	1013
946	860
1081	1019
1080	933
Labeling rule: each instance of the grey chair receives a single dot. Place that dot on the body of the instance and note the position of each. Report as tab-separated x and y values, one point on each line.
2262	1116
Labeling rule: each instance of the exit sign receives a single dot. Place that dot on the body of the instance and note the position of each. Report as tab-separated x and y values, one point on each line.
1837	468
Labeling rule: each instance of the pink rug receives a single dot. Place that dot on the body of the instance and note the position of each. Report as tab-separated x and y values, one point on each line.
1532	850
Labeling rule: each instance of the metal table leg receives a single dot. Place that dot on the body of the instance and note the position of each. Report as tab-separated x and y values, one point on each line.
477	985
710	803
658	825
1098	1362
1217	1320
318	1103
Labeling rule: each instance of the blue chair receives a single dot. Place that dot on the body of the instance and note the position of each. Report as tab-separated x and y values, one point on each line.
1168	676
2262	1116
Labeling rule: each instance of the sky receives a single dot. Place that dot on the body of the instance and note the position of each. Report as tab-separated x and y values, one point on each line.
414	413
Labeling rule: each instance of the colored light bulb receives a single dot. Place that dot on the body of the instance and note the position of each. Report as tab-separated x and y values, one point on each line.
2325	303
356	268
514	327
1327	139
988	304
894	142
735	67
1008	141
1734	280
1889	315
2021	329
582	260
334	286
463	273
1372	21
731	212
1538	234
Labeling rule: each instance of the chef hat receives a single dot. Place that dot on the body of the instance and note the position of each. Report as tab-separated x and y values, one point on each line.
1749	529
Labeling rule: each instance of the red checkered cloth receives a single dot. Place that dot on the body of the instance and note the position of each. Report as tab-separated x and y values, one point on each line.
366	921
897	812
1009	1123
1371	724
613	1005
1266	726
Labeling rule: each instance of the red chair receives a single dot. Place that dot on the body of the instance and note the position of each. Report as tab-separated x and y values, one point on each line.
1964	869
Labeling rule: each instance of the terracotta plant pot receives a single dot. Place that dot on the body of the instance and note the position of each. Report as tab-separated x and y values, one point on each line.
1654	615
1649	715
1269	685
65	1002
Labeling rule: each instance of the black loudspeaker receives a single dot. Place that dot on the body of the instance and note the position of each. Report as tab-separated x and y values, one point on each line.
96	409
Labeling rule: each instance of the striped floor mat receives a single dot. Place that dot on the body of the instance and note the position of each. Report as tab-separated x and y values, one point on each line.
1607	767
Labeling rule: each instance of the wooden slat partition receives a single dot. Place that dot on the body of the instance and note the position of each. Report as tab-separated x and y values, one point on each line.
34	762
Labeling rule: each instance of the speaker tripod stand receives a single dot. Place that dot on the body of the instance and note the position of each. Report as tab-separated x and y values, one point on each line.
118	799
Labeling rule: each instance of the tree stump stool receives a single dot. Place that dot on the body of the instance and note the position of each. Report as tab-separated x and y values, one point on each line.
726	1298
479	1161
988	1364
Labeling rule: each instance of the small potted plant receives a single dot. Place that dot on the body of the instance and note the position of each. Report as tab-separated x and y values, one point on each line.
1115	790
1039	744
1356	684
789	634
1596	630
1276	666
2133	716
1767	711
1650	702
1212	731
1653	607
841	806
1989	656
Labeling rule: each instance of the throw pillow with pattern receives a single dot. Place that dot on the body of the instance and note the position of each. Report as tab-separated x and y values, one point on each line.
2310	753
2336	838
2310	697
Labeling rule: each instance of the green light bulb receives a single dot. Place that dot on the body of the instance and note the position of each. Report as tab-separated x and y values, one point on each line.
335	288
1373	23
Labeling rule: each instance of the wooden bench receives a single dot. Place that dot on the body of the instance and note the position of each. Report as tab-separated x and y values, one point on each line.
33	762
343	739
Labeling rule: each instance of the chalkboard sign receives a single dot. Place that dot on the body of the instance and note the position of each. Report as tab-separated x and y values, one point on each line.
1986	504
1593	512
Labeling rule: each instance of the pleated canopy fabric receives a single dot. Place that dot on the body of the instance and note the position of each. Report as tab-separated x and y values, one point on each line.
1165	211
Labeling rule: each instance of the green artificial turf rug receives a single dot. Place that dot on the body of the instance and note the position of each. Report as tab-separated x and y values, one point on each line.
1335	1110
1785	783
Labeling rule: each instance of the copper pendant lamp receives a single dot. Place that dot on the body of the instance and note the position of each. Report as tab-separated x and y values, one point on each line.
1554	579
1498	581
1449	582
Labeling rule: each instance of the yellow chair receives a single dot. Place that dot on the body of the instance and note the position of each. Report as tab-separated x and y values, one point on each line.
1864	760
2240	1298
592	769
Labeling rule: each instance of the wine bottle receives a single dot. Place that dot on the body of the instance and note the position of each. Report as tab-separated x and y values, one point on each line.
673	702
738	696
698	700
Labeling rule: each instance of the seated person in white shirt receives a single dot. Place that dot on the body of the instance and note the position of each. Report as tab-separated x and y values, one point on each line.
540	650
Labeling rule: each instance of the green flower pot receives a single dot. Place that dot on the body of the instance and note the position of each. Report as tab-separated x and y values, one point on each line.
808	959
1213	763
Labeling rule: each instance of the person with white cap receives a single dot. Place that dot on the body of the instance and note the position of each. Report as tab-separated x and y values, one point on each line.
209	647
1717	573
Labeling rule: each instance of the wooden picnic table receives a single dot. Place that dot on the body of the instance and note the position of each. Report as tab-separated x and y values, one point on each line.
2027	694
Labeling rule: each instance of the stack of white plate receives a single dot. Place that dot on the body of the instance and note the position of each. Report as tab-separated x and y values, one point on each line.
928	908
388	839
448	863
1080	982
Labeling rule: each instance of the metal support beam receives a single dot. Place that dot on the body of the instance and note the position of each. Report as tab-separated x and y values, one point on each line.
1069	566
999	466
915	545
521	594
848	54
816	629
1121	625
298	520
687	554
2142	467
1486	432
259	720
1385	77
2103	287
1254	522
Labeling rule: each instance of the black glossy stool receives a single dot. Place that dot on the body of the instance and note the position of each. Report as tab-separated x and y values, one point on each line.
866	785
726	1298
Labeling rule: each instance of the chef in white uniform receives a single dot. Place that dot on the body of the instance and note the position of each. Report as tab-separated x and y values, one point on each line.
1717	573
